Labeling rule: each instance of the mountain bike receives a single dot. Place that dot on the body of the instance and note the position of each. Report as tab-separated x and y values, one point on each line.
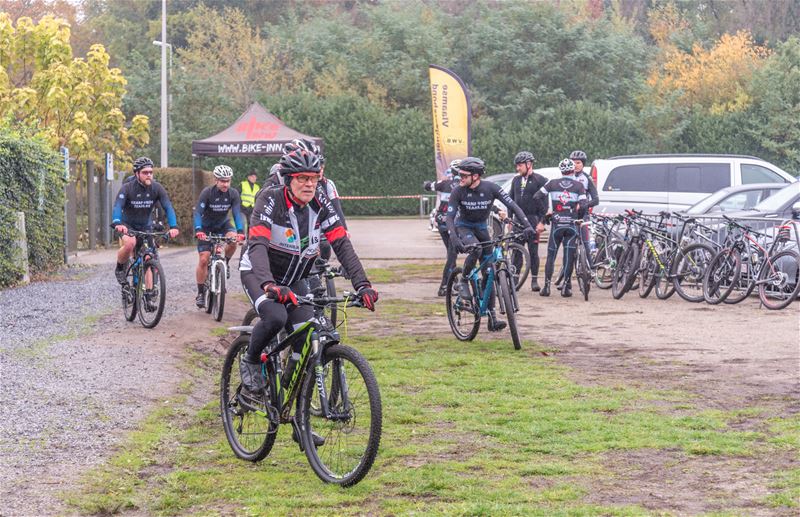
144	268
217	275
320	370
465	315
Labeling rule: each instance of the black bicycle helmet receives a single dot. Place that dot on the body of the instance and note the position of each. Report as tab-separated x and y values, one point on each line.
578	155
299	161
472	165
142	162
524	156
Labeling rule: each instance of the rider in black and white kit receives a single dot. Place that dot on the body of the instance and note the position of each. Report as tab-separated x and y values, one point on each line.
569	203
524	187
593	199
467	219
444	188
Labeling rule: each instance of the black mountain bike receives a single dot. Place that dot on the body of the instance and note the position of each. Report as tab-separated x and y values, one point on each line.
144	268
320	372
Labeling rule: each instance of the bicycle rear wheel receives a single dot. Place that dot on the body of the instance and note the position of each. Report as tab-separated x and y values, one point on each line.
689	270
721	276
250	433
150	313
746	284
779	280
647	267
464	315
582	272
353	431
218	307
606	260
505	284
625	272
519	263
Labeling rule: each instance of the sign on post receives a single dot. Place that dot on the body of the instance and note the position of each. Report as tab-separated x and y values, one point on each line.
109	166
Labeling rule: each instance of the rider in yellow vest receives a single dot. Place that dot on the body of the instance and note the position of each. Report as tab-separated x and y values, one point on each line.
249	190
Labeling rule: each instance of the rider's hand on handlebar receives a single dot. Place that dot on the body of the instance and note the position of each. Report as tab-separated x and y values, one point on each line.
457	244
539	227
201	236
121	229
173	232
368	297
528	232
280	293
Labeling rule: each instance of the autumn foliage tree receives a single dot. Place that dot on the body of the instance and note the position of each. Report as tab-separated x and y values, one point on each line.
72	102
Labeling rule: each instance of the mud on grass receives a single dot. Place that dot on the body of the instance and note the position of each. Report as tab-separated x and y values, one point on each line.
472	428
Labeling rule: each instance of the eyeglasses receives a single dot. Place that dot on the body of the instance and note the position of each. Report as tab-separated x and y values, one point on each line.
464	175
146	173
306	178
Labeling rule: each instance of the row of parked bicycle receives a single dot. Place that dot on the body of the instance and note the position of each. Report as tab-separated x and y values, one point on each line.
711	259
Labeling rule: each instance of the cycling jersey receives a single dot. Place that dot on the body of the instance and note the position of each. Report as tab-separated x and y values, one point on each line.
568	197
444	188
134	205
470	207
284	239
213	205
591	190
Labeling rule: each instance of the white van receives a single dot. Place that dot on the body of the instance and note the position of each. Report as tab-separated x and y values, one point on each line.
672	182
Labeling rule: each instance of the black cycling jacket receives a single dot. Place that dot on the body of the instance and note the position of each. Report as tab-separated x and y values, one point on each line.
134	205
473	205
284	239
213	206
523	191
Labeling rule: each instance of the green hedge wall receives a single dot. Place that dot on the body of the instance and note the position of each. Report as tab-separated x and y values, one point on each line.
31	181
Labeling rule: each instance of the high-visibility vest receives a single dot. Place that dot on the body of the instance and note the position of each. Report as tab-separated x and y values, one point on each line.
249	193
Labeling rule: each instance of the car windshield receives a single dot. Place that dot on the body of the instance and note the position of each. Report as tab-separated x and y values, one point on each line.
706	203
779	199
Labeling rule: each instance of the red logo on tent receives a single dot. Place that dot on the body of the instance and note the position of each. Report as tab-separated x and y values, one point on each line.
255	130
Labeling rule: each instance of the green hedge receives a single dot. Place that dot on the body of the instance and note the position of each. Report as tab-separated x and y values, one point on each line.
178	182
31	181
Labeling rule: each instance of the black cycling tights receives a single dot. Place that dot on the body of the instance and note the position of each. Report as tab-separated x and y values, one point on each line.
274	315
565	235
450	263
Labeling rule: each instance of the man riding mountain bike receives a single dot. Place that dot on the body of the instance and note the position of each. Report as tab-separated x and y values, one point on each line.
211	216
470	206
133	209
284	237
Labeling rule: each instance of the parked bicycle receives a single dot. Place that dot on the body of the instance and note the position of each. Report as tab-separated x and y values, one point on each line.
583	267
145	289
319	371
465	315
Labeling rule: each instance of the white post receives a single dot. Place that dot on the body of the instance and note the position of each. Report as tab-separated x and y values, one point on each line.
22	247
164	129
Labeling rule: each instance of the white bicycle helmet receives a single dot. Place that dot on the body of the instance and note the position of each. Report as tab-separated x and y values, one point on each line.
567	166
223	172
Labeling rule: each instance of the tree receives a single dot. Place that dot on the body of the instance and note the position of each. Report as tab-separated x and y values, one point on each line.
72	102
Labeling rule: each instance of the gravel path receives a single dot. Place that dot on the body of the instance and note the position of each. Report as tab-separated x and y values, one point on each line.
76	376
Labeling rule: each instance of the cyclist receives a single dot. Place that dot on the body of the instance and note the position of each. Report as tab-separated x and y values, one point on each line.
211	216
468	213
133	209
569	203
444	188
524	187
249	191
593	199
283	243
274	179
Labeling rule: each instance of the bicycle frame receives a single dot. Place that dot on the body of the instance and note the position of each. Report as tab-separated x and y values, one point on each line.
489	262
217	255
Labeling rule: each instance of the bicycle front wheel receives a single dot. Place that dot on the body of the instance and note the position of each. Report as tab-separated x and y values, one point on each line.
129	296
331	311
582	272
779	281
606	258
151	305
352	430
504	291
249	431
689	269
647	267
722	275
624	274
218	307
464	315
519	263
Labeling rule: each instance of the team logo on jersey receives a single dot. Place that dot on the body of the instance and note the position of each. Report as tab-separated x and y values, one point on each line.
290	237
564	197
202	205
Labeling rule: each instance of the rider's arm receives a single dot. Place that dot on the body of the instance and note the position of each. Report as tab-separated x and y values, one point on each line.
119	204
236	208
258	239
452	209
333	196
583	202
199	208
166	204
594	198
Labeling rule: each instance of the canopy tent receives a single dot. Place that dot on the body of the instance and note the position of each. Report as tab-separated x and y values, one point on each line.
256	133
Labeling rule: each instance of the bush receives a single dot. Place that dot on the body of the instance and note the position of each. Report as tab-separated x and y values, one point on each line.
31	181
178	182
